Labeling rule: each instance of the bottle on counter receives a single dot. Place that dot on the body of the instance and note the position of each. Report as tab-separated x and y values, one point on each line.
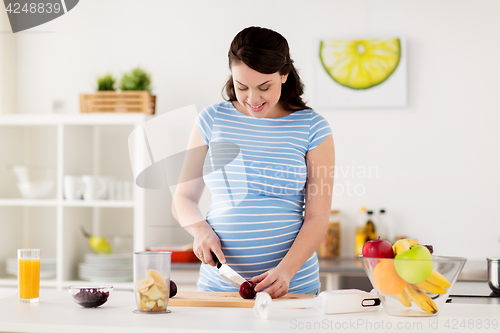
384	226
360	232
371	230
329	248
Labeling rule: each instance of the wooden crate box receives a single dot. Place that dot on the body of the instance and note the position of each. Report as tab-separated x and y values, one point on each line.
122	102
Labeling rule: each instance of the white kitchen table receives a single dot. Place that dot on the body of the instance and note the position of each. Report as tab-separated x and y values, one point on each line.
56	312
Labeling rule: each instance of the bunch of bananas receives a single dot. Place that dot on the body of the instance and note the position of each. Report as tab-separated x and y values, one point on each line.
436	283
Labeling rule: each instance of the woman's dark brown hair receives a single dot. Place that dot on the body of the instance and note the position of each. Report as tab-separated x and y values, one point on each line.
266	52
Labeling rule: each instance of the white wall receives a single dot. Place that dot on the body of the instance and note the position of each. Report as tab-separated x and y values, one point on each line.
436	159
8	84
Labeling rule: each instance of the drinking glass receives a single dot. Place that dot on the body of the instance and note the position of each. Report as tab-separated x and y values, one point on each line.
28	274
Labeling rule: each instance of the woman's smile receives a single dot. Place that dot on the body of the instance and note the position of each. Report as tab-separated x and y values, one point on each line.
257	107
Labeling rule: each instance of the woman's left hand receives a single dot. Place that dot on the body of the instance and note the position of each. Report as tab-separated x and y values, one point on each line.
275	280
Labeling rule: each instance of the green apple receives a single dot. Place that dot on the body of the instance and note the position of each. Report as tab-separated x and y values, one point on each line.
414	265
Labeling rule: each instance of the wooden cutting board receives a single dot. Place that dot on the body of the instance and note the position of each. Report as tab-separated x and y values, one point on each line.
221	299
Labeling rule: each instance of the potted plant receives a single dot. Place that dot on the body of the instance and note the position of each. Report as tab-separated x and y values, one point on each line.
134	95
136	79
106	83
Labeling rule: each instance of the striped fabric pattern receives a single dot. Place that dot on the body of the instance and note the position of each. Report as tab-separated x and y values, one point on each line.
256	172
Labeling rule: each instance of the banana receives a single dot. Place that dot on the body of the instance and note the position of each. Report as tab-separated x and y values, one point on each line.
404	298
431	287
403	245
144	285
438	279
421	299
160	281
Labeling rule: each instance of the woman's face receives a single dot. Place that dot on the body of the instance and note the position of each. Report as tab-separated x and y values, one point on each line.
258	94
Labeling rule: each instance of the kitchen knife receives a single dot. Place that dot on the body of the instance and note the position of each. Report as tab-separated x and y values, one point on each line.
329	302
228	273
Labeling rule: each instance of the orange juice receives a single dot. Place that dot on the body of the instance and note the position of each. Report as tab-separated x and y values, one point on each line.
29	278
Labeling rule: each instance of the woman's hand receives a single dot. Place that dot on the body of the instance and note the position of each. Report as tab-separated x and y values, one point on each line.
275	280
205	242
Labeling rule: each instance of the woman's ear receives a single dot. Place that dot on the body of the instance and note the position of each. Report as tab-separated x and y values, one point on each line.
283	78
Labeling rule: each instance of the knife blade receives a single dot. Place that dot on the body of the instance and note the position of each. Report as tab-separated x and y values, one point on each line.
227	272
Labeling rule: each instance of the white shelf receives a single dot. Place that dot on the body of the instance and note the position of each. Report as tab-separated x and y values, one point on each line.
28	203
74	144
64	203
72	119
99	203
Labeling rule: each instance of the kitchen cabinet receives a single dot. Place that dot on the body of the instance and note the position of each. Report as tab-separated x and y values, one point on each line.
70	144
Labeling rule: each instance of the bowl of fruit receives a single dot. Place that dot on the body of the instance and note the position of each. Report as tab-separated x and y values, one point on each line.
90	297
408	278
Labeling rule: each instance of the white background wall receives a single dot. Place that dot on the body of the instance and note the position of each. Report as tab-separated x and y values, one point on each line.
436	160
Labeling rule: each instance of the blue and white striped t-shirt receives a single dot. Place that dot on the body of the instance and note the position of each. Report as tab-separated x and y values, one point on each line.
256	171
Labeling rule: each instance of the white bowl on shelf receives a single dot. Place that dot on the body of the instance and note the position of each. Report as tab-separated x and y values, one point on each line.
35	190
34	182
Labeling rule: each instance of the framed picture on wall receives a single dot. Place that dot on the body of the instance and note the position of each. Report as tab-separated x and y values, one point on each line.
361	73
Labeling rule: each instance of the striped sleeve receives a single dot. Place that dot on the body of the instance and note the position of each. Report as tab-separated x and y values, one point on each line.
205	122
319	129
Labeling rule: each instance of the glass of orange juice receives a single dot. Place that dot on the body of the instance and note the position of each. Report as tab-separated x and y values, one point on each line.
28	274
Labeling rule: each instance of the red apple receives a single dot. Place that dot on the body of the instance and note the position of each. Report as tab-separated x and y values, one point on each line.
247	290
173	289
378	248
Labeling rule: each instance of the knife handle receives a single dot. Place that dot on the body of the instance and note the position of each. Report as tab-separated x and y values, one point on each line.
216	260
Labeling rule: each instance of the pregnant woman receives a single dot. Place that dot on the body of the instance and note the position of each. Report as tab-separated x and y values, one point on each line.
268	160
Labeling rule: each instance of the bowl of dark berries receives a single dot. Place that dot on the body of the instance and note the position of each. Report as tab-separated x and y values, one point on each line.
90	297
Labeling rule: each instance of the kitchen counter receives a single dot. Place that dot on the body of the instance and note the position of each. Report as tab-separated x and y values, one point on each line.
57	312
474	270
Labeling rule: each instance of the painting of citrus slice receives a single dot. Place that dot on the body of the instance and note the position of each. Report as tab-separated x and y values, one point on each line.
360	64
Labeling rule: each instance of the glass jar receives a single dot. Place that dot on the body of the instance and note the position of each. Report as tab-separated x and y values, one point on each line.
152	281
329	247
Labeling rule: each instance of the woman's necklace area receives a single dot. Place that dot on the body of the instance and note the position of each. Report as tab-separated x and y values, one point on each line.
280	113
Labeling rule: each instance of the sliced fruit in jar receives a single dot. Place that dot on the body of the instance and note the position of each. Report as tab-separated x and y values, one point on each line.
154	293
163	288
160	281
144	285
160	303
156	276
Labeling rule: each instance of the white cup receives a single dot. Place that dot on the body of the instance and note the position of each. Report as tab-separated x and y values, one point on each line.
95	187
73	187
119	190
127	191
110	188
